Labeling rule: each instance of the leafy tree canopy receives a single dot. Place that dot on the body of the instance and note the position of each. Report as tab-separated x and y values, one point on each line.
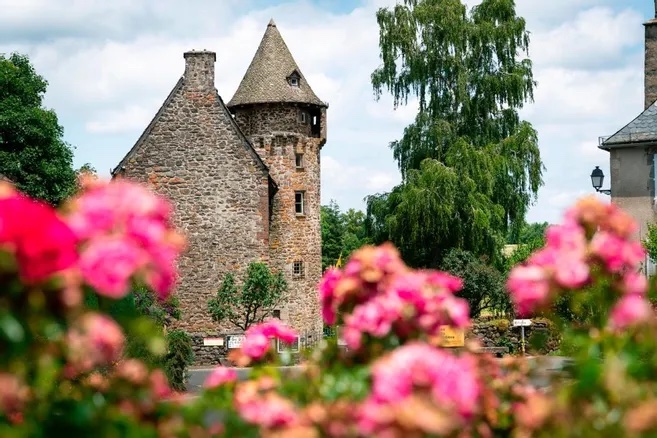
483	285
470	166
257	297
32	152
342	233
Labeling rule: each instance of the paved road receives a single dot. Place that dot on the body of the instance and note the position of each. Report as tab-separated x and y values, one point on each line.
545	366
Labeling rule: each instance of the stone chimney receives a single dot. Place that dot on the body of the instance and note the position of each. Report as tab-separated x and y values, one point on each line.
650	75
199	69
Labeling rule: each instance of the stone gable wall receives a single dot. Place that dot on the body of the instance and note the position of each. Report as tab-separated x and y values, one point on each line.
194	156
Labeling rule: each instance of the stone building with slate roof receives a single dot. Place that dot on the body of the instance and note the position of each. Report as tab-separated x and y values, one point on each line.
632	148
244	178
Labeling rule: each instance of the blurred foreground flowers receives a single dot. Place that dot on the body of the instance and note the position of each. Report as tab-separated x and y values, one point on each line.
64	369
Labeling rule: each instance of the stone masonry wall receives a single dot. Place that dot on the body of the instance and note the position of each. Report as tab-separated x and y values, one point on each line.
650	78
194	155
292	237
270	118
501	333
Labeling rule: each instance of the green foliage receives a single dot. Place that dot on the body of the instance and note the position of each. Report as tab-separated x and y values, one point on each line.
260	293
483	285
178	359
650	242
528	234
470	166
342	233
32	152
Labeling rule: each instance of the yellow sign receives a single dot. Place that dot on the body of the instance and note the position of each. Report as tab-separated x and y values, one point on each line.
451	337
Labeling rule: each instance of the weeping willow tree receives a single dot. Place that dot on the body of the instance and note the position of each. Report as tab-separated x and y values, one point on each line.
470	166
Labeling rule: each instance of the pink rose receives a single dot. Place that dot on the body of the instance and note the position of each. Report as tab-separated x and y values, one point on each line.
108	264
630	310
529	287
220	376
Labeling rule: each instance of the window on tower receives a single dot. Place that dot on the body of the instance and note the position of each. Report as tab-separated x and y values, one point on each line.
297	268
299	203
298	161
303	117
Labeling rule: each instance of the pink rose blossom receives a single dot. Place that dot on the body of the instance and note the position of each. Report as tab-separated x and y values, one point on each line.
94	339
634	283
452	381
571	273
326	292
41	241
257	404
108	264
220	376
258	337
124	215
630	310
529	287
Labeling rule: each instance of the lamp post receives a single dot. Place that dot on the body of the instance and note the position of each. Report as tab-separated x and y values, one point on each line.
597	177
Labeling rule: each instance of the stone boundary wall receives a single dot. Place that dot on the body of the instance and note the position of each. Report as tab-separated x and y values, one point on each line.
491	333
501	333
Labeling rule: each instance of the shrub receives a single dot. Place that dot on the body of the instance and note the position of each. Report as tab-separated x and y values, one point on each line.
179	357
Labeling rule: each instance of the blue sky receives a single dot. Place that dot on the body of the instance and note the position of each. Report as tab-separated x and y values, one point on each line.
111	64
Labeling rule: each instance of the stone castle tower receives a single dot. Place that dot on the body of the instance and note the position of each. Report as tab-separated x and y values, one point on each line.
285	121
244	179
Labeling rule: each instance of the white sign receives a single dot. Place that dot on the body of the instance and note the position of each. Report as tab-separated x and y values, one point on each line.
235	341
522	322
284	346
213	342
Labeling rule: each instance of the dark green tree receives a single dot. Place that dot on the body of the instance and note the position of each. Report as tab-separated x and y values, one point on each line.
256	299
32	152
342	233
332	233
470	166
483	285
528	233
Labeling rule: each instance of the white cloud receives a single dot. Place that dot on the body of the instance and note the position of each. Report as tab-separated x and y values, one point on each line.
127	119
111	64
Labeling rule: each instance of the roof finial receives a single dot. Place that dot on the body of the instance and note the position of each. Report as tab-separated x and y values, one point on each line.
272	24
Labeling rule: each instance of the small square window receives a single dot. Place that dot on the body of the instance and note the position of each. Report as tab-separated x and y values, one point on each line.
298	161
299	203
294	81
276	314
297	268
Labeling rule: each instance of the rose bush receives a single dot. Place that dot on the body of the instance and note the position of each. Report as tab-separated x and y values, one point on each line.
64	368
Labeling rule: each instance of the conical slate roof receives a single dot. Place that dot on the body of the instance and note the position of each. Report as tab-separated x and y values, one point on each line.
267	78
640	130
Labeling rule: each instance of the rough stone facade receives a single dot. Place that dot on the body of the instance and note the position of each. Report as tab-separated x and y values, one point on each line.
278	134
233	174
194	154
650	62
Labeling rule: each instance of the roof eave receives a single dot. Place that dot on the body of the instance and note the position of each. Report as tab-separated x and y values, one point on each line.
628	144
232	104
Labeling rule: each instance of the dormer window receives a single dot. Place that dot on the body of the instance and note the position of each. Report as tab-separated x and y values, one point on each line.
294	79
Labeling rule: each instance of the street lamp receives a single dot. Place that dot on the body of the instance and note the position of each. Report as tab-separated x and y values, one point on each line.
597	177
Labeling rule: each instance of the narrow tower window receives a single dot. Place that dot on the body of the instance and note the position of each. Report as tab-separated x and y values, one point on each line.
303	117
298	161
297	268
299	203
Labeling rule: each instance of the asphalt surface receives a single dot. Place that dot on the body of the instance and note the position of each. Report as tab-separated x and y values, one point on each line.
545	368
